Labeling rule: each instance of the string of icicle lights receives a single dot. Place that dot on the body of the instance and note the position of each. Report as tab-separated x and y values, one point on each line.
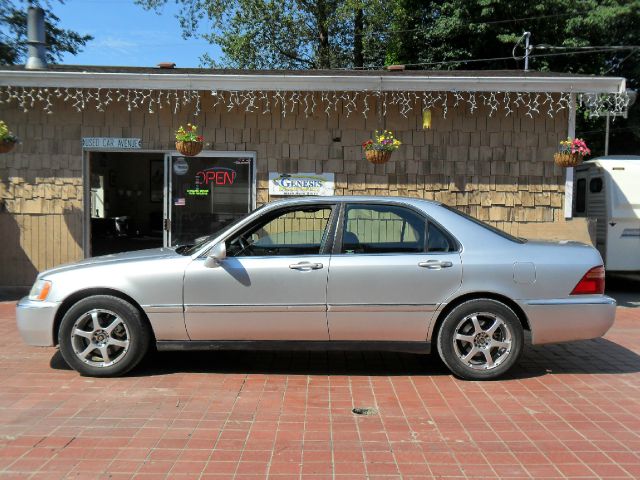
310	103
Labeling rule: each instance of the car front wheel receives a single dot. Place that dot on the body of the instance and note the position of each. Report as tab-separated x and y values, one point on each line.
480	339
103	336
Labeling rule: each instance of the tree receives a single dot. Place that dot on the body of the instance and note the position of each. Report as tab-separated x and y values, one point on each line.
456	31
13	33
294	34
431	34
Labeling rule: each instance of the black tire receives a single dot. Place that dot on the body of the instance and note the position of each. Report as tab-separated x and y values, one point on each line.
118	322
460	335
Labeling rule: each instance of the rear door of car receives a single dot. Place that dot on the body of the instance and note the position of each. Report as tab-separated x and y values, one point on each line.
390	270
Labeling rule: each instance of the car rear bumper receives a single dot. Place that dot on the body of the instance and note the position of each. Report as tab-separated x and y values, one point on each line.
35	322
563	320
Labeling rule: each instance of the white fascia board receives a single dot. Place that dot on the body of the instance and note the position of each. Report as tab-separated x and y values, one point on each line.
248	82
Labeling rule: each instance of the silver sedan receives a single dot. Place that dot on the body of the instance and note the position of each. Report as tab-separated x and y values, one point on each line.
345	273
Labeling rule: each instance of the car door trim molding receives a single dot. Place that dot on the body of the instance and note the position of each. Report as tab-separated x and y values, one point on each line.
388	254
571	301
253	308
169	308
422	347
390	307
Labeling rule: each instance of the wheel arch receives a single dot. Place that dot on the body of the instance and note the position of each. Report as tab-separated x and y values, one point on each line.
524	321
75	297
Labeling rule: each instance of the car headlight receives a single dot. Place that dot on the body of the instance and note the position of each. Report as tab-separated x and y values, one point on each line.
40	290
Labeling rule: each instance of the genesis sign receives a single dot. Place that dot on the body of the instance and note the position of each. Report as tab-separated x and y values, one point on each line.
301	184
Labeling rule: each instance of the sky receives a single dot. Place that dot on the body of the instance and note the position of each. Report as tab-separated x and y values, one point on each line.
125	34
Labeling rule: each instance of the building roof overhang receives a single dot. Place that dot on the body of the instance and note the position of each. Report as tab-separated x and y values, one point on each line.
319	80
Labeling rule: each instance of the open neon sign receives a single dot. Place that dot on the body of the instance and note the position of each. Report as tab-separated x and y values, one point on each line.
216	176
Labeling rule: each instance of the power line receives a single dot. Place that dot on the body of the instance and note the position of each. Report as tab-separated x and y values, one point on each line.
612	129
526	18
544	46
540	55
620	62
490	22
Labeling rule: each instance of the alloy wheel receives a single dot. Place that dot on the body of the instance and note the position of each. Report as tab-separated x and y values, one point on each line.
100	338
482	341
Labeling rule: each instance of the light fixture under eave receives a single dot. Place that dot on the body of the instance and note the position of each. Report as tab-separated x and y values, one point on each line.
426	119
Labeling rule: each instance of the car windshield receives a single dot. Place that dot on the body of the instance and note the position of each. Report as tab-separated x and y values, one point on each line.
191	248
491	228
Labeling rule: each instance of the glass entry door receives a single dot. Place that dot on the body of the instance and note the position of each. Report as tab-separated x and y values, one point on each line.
206	193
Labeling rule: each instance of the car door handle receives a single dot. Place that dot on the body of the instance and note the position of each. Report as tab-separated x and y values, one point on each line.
305	266
436	264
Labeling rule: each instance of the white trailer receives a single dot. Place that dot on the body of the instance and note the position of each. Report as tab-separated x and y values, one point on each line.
607	189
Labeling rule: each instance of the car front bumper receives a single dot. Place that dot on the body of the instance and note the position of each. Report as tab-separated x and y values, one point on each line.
35	321
567	319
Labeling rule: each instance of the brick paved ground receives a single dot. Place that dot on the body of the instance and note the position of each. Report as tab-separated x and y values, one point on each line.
570	411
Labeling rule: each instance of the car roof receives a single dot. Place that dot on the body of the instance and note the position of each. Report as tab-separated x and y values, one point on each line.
352	199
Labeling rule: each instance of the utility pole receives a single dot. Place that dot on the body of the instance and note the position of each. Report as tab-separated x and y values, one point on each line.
527	49
606	137
527	35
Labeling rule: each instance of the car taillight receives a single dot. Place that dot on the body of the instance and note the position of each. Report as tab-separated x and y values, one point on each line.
591	283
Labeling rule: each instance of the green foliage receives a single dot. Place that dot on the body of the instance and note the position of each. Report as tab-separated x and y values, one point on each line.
13	33
452	30
189	134
292	34
6	135
434	34
383	141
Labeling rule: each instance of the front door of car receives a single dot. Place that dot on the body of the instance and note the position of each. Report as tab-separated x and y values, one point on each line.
390	273
271	285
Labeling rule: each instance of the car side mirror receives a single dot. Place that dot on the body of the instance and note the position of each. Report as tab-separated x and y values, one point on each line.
216	255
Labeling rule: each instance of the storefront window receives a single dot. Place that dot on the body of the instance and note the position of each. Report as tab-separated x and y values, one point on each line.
207	194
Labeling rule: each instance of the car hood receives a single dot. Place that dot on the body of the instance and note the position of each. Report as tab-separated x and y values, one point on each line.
115	258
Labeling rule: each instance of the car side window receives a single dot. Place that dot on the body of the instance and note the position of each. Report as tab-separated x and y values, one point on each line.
382	229
295	231
438	241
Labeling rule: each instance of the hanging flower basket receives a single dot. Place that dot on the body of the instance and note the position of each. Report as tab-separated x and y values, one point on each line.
379	149
377	156
567	159
6	147
188	142
571	153
189	149
7	139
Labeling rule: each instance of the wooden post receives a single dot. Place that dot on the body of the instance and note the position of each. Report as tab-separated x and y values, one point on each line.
568	183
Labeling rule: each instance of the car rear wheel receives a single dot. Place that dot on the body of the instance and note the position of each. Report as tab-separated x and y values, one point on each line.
103	336
480	339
